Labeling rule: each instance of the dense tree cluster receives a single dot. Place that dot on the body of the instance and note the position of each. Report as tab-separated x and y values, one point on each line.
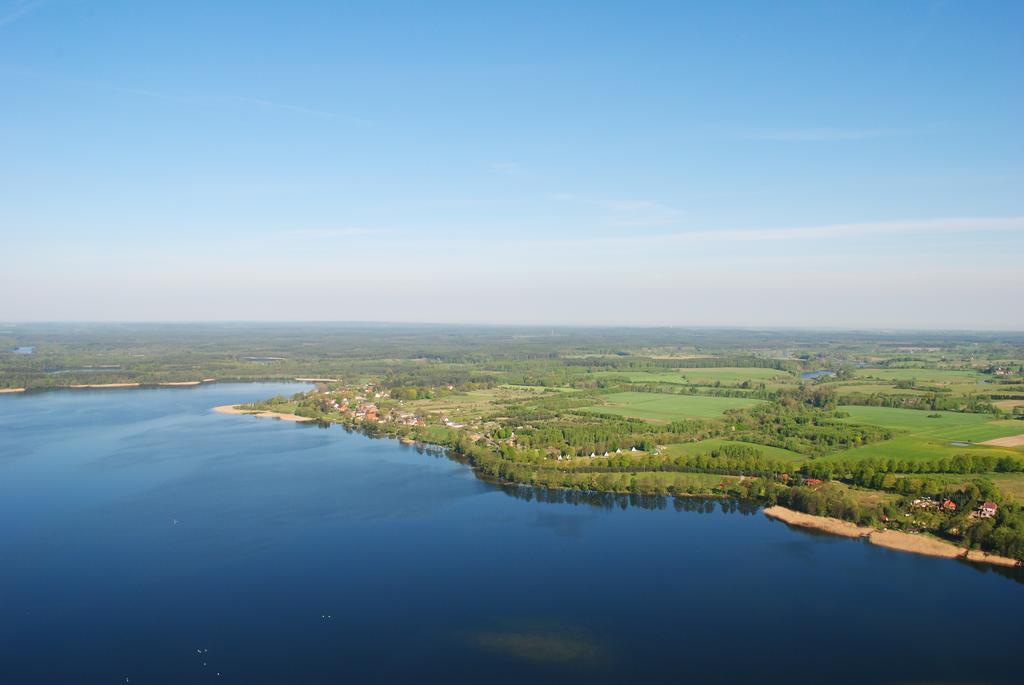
800	428
934	401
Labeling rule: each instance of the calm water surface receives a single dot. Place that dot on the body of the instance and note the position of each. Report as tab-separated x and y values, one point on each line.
817	374
143	537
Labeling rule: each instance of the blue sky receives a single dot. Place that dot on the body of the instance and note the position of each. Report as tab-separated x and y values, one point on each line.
841	164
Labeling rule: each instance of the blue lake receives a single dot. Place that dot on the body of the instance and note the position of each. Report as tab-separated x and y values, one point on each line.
143	537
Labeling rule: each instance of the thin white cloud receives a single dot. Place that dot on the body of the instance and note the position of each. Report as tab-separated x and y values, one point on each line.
822	232
629	213
506	168
20	10
861	229
182	98
343	232
814	134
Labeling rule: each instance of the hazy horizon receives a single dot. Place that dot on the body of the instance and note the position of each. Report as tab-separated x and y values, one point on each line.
851	165
526	325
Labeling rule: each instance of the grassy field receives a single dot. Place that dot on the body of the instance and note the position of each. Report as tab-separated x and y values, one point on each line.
919	448
1009	405
932	376
473	403
873	388
1011	484
704	446
664	408
920	437
725	375
942	425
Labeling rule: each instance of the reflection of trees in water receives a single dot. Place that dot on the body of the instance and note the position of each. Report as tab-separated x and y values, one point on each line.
1015	574
612	500
604	500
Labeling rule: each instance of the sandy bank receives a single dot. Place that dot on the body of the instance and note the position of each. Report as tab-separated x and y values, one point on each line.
915	543
236	409
317	380
180	383
105	385
1012	441
924	544
822	523
8	390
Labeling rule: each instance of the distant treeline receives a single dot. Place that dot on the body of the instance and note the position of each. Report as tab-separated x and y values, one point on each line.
974	404
641	363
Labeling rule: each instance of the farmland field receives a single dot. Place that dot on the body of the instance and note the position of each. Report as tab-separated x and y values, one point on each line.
1011	484
725	375
923	375
659	407
920	448
474	401
873	388
921	437
944	424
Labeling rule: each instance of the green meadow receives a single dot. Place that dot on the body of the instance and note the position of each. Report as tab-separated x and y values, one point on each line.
725	375
873	388
660	407
943	424
919	435
923	375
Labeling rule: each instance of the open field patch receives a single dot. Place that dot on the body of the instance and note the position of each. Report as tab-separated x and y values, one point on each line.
1011	441
873	389
660	407
710	376
933	376
920	448
930	435
1010	484
949	424
475	401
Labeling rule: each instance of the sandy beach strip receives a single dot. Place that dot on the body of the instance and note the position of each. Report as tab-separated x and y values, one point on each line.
1012	441
177	384
4	391
317	380
822	523
237	409
915	543
105	385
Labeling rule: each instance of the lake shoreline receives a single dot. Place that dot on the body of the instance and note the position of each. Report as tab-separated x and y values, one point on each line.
897	540
890	539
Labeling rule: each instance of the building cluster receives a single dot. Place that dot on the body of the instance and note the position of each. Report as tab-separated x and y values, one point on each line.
985	510
362	407
947	505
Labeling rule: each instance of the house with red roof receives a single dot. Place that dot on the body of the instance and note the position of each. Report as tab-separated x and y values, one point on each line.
986	510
